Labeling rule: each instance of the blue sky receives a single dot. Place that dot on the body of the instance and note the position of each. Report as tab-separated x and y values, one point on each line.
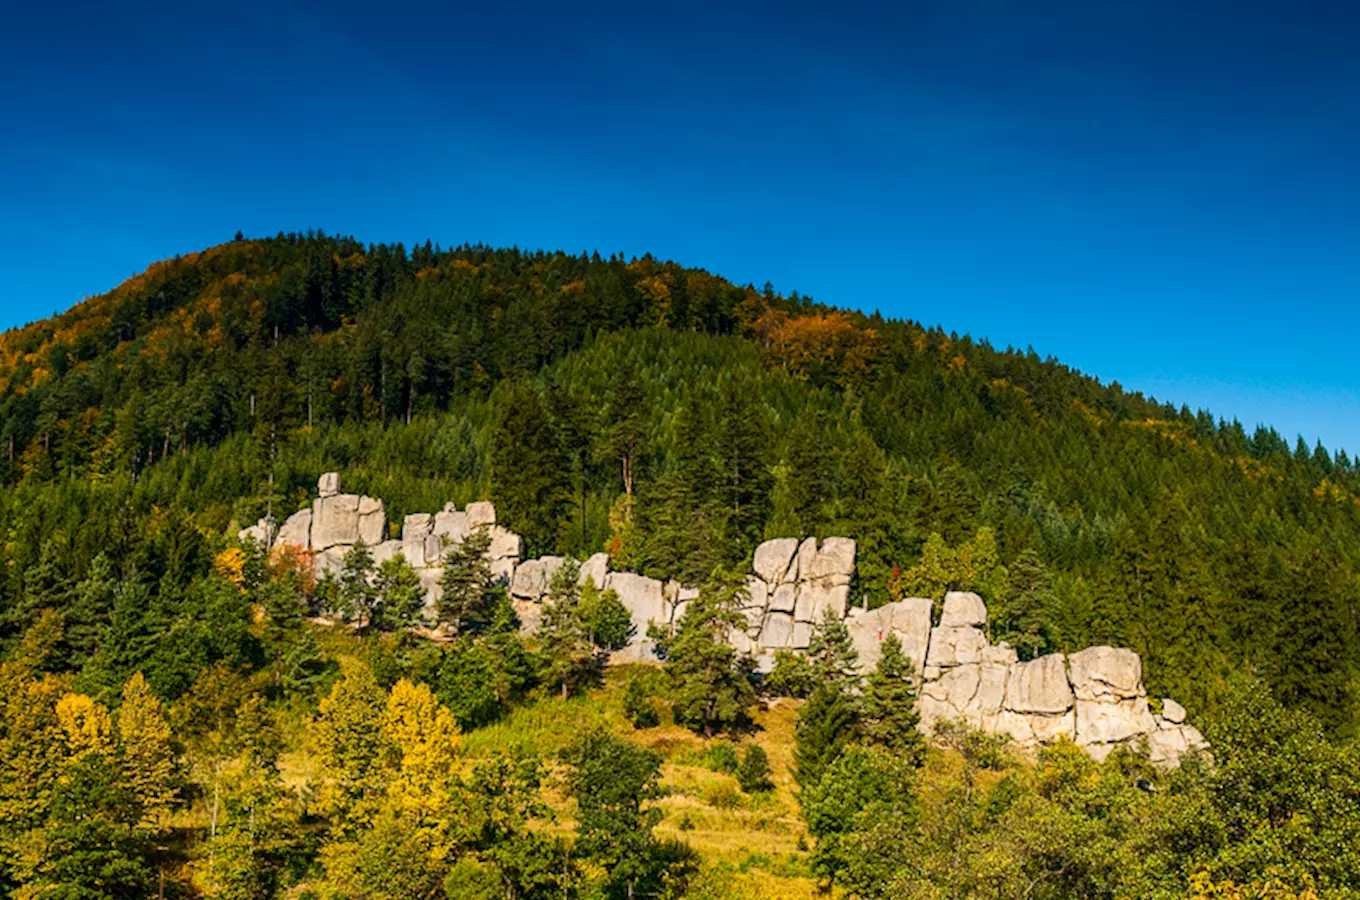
1166	194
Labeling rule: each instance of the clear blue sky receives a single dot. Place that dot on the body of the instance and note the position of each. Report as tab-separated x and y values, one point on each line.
1161	193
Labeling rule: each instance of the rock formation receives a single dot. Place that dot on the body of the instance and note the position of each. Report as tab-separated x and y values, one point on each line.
1094	697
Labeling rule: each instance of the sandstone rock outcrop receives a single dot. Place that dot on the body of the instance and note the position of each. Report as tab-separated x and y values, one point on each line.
1095	697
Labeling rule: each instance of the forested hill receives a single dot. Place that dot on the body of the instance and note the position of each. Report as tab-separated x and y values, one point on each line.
668	416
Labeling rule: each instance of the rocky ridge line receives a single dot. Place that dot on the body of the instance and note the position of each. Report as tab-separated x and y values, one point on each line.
1094	697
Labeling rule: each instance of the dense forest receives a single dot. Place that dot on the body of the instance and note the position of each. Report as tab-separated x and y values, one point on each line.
158	675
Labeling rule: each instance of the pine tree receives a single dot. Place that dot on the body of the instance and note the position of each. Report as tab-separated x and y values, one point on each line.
889	704
357	596
566	648
711	687
400	595
825	726
466	585
831	651
527	471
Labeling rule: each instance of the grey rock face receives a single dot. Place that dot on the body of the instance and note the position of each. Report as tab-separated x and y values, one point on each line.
834	562
328	485
644	599
451	525
909	619
815	597
595	568
335	521
481	513
955	646
784	598
1040	686
296	530
1172	711
962	609
1106	673
372	521
778	631
772	560
532	577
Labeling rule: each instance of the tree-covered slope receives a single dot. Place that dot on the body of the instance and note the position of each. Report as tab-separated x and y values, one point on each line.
668	416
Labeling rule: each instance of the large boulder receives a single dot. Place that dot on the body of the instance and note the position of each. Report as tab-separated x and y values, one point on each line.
816	597
757	592
1108	722
532	577
973	693
772	560
259	532
1035	728
595	568
372	521
807	555
1106	673
481	513
643	597
1039	686
963	609
296	530
784	598
955	646
335	521
909	619
833	562
1172	711
386	550
451	525
328	485
505	544
777	633
415	536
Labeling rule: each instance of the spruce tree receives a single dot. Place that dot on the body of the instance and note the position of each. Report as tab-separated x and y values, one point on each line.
711	686
466	585
889	704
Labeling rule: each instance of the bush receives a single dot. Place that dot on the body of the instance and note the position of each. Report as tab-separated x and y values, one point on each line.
754	772
637	705
791	675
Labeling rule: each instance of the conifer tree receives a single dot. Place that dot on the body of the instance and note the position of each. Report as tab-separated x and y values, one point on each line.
711	686
889	704
566	648
466	586
400	595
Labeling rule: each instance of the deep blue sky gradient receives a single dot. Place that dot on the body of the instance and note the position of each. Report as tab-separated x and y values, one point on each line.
1163	193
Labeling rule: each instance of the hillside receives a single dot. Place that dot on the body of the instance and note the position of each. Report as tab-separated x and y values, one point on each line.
186	713
675	420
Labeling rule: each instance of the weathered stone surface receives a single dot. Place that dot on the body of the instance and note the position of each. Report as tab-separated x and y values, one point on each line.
909	619
1106	673
505	543
296	529
386	550
331	559
259	532
807	555
451	525
741	641
415	533
972	692
429	580
642	597
1035	728
532	577
1106	722
815	597
372	521
596	568
834	562
772	559
955	646
784	598
1002	654
757	592
328	485
502	570
335	521
802	635
481	513
435	548
1172	711
962	609
777	631
1039	686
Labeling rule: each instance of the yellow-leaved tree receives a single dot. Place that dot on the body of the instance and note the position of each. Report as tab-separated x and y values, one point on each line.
147	752
424	740
85	725
346	738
